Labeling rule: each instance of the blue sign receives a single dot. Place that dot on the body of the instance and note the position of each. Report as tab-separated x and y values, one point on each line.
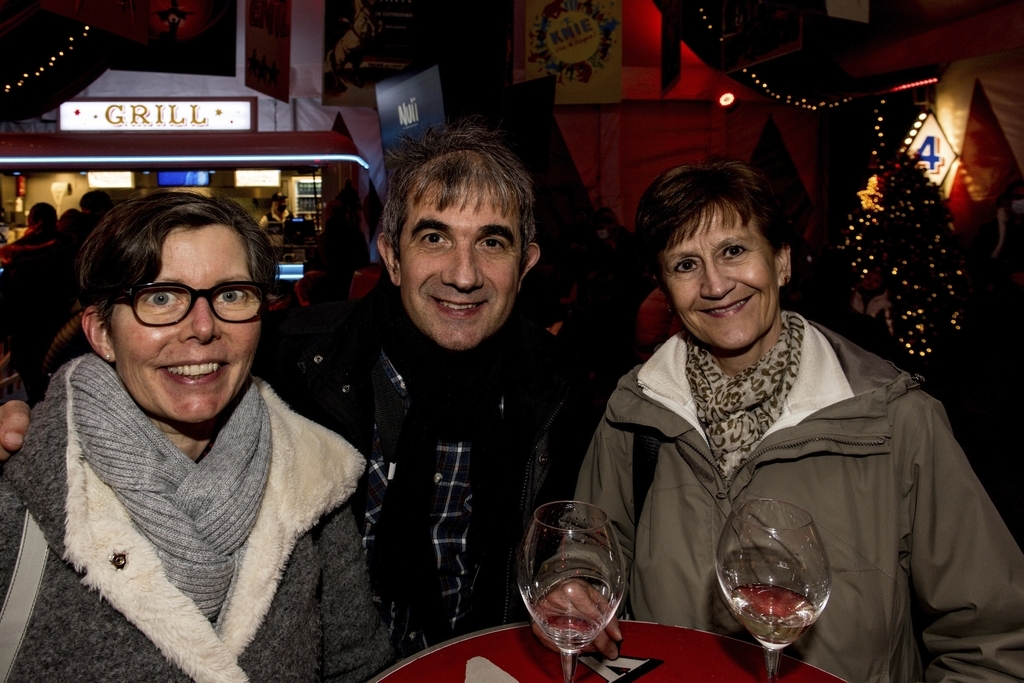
408	104
182	178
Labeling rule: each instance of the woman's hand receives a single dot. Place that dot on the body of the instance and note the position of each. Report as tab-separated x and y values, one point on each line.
14	419
607	641
579	597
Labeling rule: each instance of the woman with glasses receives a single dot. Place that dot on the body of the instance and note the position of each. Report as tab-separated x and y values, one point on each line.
194	526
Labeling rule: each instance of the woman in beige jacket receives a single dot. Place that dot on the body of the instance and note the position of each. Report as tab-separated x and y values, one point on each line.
754	401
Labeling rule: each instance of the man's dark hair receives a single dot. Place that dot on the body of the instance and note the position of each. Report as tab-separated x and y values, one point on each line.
683	201
126	247
460	165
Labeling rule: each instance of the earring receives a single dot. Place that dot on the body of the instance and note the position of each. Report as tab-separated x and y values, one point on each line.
785	280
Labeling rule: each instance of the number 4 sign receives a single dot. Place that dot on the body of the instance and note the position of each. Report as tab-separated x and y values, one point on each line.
932	149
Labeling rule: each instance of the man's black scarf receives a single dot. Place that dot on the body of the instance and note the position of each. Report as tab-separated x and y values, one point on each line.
453	396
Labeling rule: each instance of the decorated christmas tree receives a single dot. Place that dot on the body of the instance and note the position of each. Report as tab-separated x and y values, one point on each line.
903	230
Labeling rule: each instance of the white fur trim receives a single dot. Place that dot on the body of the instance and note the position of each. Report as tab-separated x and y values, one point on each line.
312	471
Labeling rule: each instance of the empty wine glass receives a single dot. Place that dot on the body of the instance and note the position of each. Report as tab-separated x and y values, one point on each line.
773	572
571	575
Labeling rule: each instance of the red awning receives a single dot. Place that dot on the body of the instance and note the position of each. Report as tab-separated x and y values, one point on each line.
148	151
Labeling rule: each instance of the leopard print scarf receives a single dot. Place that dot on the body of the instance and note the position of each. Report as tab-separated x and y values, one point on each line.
737	411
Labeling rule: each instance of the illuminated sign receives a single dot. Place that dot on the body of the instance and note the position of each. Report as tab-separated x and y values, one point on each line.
123	179
258	177
182	178
931	147
158	115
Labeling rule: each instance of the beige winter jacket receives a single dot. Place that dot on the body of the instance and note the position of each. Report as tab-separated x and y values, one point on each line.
916	546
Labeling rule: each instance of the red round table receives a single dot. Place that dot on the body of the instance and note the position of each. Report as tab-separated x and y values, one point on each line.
688	655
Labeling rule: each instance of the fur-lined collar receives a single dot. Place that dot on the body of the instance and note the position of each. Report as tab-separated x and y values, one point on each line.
312	471
820	380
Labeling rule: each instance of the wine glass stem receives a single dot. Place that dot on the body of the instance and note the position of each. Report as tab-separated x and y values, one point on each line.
569	660
771	664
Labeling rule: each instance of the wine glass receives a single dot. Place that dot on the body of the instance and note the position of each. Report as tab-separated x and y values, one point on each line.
571	575
773	572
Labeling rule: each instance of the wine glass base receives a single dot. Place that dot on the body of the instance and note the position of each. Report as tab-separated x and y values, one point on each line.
569	661
771	663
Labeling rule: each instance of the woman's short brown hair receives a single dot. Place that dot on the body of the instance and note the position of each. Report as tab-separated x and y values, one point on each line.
683	201
126	247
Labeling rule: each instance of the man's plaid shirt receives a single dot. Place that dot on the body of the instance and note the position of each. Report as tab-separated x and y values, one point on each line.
449	517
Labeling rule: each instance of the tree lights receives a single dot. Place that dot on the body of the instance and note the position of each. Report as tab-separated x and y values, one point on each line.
904	227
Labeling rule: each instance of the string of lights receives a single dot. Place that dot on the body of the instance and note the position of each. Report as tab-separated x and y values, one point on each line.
913	132
915	84
803	103
878	127
761	84
40	71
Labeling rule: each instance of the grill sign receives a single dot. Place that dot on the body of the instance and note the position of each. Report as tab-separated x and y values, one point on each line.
157	115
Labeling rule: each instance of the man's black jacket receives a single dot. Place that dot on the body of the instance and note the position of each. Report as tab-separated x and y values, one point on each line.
319	359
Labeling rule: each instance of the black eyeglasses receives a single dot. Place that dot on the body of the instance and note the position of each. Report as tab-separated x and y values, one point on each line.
166	303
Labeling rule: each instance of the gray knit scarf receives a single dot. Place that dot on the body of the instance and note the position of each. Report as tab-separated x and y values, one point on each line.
196	514
737	411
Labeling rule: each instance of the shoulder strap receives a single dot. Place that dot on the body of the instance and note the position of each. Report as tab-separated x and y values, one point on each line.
22	592
388	411
646	445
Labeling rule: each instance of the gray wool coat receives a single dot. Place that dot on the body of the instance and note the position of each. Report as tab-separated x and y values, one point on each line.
299	608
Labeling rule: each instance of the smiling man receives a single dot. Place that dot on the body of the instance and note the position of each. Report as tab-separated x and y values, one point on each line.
464	410
463	268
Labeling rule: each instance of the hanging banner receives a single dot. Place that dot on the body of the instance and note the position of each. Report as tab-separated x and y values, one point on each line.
268	46
185	37
754	32
126	19
365	41
579	42
671	36
408	104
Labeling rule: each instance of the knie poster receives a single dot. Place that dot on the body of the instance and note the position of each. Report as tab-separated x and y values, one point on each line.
365	41
579	42
268	45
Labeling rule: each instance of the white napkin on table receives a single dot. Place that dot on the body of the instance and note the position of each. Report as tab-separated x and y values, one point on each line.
482	670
